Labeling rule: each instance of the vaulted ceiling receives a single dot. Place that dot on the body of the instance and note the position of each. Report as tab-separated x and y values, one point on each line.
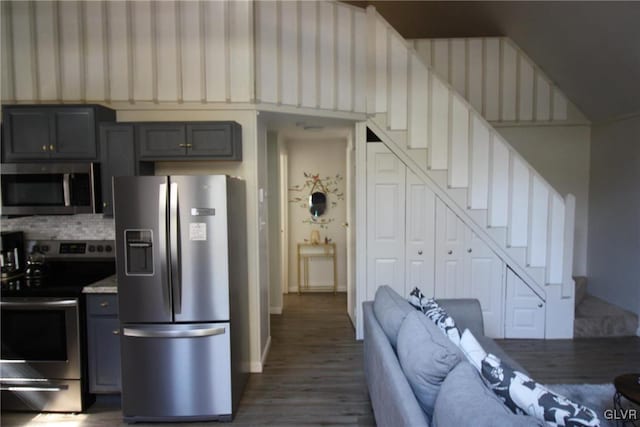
590	49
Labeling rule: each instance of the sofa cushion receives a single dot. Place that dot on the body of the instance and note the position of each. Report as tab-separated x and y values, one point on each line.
390	310
464	400
426	356
436	313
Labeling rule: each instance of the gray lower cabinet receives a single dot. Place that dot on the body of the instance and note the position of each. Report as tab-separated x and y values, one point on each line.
103	336
189	141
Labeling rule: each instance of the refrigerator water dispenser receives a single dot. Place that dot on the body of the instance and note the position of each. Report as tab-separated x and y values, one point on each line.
139	252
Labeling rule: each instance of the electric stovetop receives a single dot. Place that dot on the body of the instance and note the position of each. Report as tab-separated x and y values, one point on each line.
68	266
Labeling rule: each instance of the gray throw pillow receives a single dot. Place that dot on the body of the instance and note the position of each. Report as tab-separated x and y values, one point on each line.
464	400
390	310
426	356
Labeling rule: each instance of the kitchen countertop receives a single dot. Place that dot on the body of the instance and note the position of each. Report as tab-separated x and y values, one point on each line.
104	286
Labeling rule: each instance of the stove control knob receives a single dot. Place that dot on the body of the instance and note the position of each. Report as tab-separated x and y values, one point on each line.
92	248
100	248
108	248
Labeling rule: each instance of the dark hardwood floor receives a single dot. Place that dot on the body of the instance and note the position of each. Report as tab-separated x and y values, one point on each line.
313	375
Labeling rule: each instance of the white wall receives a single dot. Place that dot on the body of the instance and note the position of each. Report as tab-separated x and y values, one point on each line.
263	240
560	154
326	158
614	214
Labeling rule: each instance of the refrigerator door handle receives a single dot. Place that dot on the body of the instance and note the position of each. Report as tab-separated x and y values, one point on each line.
162	245
172	333
174	230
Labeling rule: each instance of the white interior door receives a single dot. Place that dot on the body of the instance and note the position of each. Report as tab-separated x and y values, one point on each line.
385	220
467	268
449	253
420	236
524	311
484	274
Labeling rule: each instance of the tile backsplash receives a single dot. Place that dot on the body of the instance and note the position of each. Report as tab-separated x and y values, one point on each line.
62	227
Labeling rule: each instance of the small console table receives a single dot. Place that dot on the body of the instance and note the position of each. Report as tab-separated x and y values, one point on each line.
320	250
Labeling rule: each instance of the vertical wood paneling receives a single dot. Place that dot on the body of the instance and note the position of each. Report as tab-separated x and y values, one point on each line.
475	73
22	51
360	62
267	46
45	20
167	54
6	50
441	57
479	182
538	223
142	51
344	58
423	49
118	50
525	89
519	201
241	75
459	66
439	142
556	240
459	160
509	81
309	53
70	49
559	105
418	107
190	48
381	67
398	83
543	98
499	183
289	53
216	51
327	41
492	79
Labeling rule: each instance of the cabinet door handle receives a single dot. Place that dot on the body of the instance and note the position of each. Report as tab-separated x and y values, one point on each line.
116	332
182	145
450	252
469	250
104	304
51	147
44	148
419	251
540	305
104	204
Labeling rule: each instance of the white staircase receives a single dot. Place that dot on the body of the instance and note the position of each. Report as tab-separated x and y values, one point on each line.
451	147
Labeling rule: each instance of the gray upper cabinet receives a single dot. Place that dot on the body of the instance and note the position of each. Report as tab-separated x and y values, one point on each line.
191	140
60	132
118	158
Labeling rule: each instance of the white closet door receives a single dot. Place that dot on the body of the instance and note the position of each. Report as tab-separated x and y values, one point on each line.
450	235
420	238
385	220
484	274
524	311
467	268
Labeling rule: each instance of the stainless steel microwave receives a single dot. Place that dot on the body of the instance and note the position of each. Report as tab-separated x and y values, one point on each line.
43	188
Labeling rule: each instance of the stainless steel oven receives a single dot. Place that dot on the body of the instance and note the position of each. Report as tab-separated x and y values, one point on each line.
41	361
49	188
43	364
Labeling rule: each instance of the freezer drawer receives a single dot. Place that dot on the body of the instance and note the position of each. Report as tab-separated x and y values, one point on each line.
176	372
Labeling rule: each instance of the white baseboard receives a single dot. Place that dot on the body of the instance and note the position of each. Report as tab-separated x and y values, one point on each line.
275	310
256	367
323	289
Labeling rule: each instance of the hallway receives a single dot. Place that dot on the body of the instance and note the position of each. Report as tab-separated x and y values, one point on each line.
313	374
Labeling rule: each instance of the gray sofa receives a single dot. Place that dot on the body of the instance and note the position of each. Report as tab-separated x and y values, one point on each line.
462	399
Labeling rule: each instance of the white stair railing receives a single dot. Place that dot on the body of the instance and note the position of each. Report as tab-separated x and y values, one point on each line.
416	101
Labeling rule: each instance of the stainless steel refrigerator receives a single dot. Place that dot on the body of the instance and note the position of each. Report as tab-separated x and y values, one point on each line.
182	294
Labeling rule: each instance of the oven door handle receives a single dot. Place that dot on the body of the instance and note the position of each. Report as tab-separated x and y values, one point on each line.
31	387
35	303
